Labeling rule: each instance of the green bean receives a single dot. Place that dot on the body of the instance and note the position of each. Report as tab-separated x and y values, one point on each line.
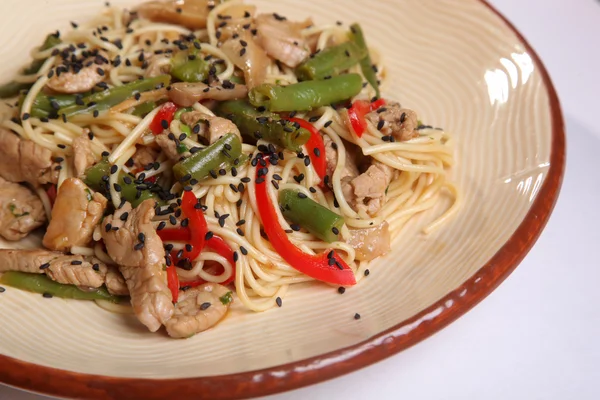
106	99
220	154
39	283
46	105
366	65
318	220
305	96
331	61
263	125
141	110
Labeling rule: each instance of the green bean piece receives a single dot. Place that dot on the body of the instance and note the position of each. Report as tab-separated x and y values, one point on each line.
330	62
181	111
46	105
141	110
106	99
306	96
366	65
13	88
263	125
318	220
191	71
220	154
40	283
129	191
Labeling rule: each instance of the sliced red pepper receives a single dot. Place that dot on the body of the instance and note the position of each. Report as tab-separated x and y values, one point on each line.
173	282
314	146
315	266
356	114
196	223
51	192
166	113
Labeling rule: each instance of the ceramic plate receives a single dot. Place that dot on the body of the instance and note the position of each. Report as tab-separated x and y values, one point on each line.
462	67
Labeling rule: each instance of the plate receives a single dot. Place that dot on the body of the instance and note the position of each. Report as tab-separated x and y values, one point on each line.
462	66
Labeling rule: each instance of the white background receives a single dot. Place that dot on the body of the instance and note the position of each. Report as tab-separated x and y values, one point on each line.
537	336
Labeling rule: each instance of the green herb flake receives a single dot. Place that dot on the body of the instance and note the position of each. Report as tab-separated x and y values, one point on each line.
89	194
226	298
13	209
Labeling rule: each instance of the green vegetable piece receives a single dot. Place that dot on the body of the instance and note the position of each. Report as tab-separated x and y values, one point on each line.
13	88
218	155
105	99
40	283
318	220
181	111
265	125
226	298
44	105
330	62
305	96
366	65
129	191
141	110
191	71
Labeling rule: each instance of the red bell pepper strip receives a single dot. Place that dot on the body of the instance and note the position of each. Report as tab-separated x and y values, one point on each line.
197	225
315	147
315	266
51	192
356	114
173	282
166	113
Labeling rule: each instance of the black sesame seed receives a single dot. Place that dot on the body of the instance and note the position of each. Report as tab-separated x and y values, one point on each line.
335	231
141	237
138	246
25	116
188	247
367	272
172	220
185	222
312	189
245	179
117	187
114	169
96	267
76	262
204	306
380	124
328	123
164	123
357	316
341	290
243	250
259	180
278	301
161	225
302	195
331	261
306	161
295	227
124	216
208	235
289	231
95	113
108	227
61	146
45	266
317	152
235	256
242	51
47	295
222	172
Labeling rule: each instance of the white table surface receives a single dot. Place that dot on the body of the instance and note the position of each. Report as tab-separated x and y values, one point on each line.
537	336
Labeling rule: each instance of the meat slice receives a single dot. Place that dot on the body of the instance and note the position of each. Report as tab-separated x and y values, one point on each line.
187	94
281	39
169	146
401	123
75	214
198	309
370	243
82	80
134	245
331	155
25	161
189	13
21	211
83	158
115	282
217	126
68	269
366	192
143	156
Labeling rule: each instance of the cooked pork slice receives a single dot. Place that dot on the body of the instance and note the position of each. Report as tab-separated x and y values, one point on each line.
168	145
25	161
401	123
68	269
132	242
75	214
249	57
143	156
366	192
331	155
21	211
82	80
115	282
217	126
158	65
187	94
281	39
370	243
83	158
189	13
198	309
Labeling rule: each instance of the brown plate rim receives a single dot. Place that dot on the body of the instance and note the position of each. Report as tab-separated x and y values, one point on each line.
56	382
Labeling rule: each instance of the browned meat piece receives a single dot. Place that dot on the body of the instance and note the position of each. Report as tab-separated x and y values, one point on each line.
21	211
152	95
83	158
367	191
115	282
187	94
370	243
71	270
399	122
189	13
198	309
134	245
143	156
75	214
83	80
168	146
251	58
281	39
331	155
133	241
217	126
25	161
157	66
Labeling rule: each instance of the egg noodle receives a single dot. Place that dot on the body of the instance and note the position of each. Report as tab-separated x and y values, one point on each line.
261	274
